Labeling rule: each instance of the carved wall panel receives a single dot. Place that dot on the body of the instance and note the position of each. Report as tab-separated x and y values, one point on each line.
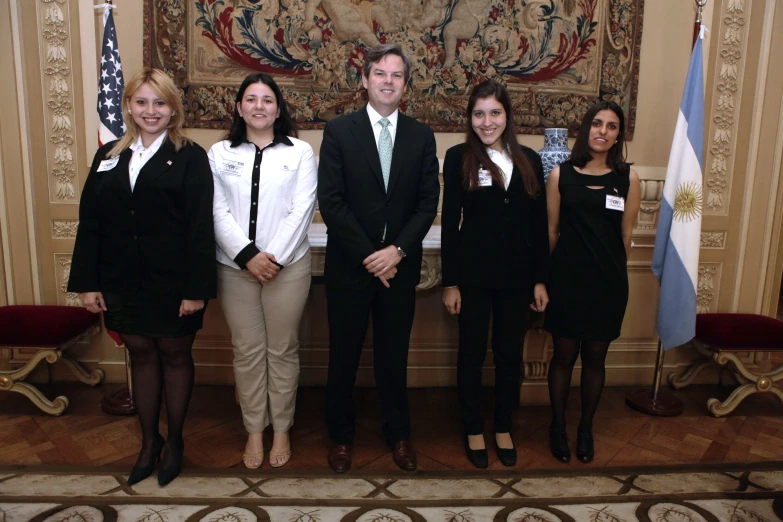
711	239
62	267
722	131
57	88
652	194
708	287
64	228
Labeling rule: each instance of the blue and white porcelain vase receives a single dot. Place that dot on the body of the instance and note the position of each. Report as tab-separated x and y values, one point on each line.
555	149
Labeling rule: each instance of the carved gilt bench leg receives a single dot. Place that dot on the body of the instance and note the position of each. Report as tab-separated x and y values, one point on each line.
11	380
754	383
694	369
92	378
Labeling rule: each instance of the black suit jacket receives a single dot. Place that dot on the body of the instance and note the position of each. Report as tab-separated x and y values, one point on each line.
158	239
503	241
355	206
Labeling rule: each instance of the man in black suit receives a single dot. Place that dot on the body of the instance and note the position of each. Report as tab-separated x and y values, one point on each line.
378	194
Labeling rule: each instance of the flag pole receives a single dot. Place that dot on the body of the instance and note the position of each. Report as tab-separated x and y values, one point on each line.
697	23
655	401
121	401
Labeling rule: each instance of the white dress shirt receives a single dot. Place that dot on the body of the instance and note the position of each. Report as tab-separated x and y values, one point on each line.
504	162
286	199
141	155
375	119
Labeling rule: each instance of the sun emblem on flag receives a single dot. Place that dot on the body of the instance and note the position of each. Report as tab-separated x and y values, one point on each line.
687	201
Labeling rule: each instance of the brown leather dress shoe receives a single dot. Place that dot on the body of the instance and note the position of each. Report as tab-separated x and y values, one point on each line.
404	455
340	457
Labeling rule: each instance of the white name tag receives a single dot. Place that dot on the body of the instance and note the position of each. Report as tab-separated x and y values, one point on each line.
615	203
108	164
231	168
485	178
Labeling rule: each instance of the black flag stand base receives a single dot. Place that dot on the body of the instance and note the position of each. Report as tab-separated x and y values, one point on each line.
655	402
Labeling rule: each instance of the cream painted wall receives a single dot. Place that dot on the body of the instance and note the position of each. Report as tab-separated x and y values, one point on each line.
665	53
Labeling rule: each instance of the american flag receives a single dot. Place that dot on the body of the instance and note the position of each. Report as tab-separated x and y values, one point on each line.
110	83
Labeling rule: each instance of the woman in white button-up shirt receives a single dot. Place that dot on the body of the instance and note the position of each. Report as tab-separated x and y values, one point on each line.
265	189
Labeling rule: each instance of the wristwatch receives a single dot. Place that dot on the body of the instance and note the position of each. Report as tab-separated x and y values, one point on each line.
401	252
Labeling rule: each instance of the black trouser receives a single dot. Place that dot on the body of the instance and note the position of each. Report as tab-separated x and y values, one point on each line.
508	310
392	319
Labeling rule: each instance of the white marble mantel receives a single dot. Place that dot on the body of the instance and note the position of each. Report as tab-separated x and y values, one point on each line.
430	265
643	237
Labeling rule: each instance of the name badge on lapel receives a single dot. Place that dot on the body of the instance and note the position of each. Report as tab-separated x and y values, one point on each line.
485	178
615	203
108	164
231	168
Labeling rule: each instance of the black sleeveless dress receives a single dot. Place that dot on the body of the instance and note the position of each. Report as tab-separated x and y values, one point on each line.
588	288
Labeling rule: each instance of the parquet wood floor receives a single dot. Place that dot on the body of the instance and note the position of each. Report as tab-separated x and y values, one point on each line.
215	436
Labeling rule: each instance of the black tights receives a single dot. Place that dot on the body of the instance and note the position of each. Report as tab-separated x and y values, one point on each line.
593	376
157	363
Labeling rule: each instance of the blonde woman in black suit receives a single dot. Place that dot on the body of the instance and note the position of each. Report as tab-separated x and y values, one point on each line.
496	262
145	256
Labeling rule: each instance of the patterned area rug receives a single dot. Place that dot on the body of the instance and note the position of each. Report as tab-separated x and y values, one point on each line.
703	494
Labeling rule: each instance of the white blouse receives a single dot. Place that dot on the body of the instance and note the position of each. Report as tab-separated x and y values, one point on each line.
141	156
504	162
286	198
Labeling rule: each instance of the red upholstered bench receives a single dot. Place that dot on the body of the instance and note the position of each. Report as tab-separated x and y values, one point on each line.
721	338
44	332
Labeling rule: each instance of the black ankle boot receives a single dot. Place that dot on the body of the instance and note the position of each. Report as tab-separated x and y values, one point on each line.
479	457
558	443
585	449
175	454
139	473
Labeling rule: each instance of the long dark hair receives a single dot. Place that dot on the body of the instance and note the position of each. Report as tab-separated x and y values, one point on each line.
284	124
615	157
476	151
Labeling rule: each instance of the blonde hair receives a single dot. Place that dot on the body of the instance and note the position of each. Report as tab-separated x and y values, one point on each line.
165	89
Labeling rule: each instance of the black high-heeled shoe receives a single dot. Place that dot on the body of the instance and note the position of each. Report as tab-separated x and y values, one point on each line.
139	473
479	457
585	447
169	473
507	456
558	443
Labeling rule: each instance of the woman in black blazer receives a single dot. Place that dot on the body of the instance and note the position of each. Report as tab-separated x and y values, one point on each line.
145	256
496	262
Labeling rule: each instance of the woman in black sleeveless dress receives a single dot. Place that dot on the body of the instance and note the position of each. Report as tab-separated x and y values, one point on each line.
592	202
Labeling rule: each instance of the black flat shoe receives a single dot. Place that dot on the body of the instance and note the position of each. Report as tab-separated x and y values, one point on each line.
139	473
479	457
585	449
558	443
169	473
507	456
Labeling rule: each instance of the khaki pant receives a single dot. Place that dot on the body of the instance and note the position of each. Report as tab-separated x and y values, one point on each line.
264	322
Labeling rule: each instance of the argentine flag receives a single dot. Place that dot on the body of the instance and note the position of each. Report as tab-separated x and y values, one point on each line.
676	257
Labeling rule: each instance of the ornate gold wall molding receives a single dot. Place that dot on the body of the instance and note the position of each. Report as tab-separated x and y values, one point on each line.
64	228
722	132
57	87
712	239
62	267
708	287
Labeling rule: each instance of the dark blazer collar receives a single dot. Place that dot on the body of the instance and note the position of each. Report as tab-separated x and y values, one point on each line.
365	137
157	165
403	140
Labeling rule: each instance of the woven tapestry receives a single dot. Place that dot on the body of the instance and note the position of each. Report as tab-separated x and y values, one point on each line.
557	57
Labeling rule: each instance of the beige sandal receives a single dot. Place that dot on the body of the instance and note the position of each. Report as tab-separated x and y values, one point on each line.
250	459
285	456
